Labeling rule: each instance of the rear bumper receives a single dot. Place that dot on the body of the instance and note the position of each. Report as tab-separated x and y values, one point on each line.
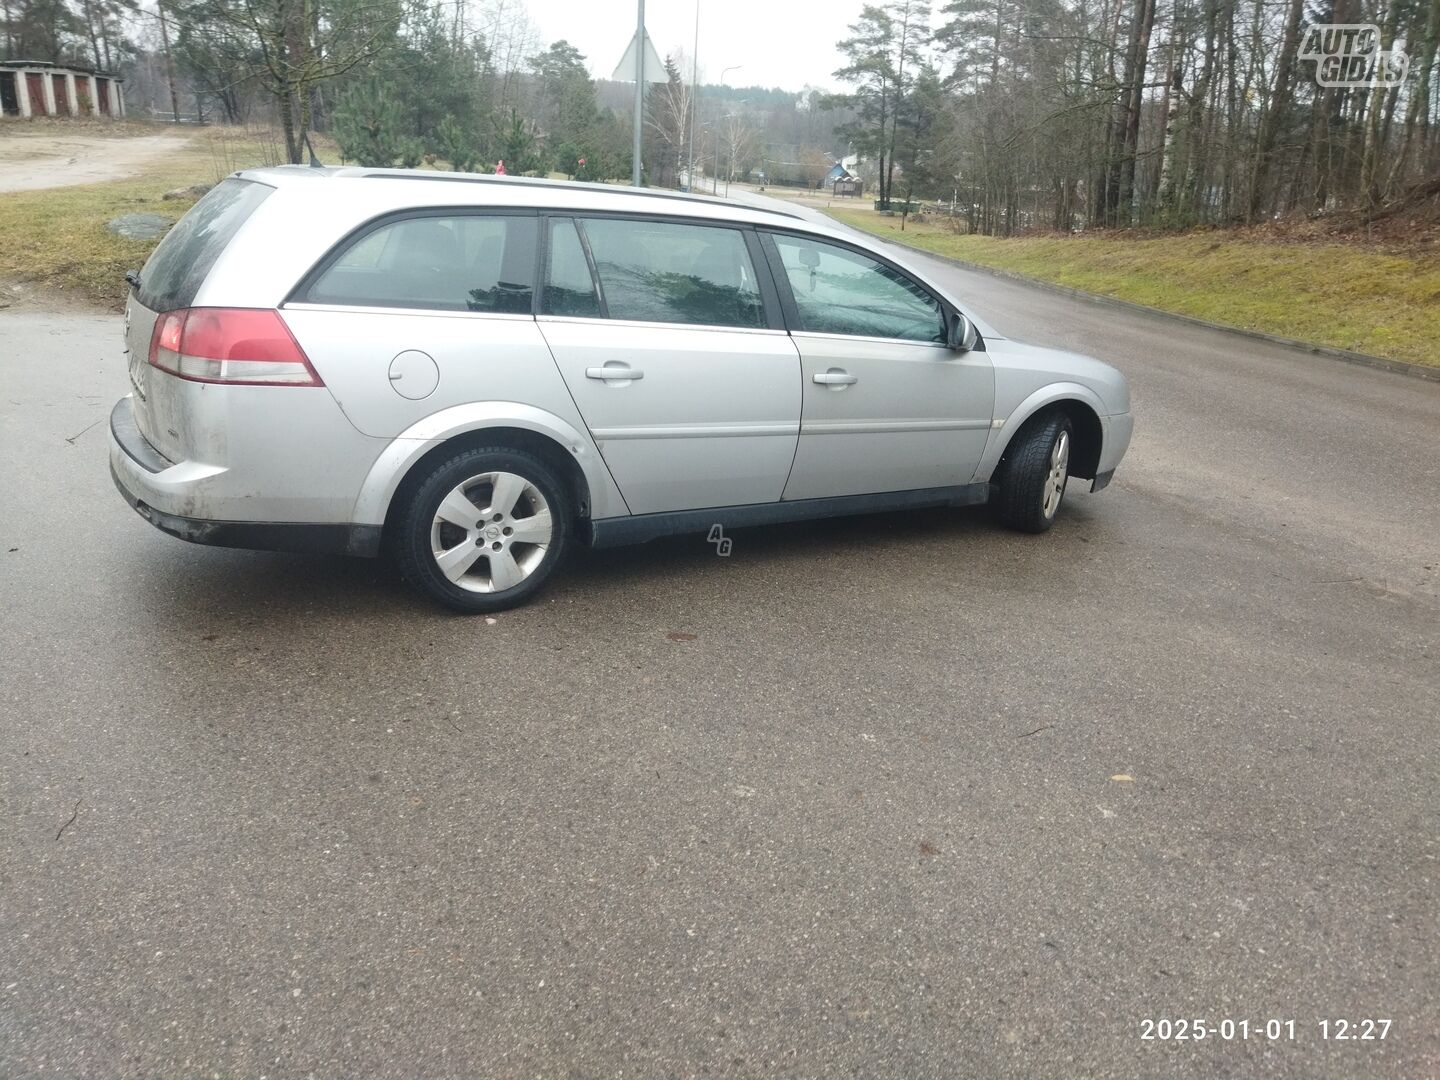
144	478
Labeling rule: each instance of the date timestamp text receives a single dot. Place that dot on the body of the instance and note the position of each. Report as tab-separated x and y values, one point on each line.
1190	1029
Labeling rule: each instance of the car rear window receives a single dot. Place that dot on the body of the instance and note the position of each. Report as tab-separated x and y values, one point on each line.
177	267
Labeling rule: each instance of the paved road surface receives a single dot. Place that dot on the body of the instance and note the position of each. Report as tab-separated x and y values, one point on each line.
269	815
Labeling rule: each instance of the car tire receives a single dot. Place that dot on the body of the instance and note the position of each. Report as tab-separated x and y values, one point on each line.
1034	472
520	530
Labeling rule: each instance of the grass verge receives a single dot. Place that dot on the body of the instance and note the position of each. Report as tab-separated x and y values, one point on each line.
55	240
1357	296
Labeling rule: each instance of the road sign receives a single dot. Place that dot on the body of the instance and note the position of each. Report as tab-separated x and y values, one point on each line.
654	66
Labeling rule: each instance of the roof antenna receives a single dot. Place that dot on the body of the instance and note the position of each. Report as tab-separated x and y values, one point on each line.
314	161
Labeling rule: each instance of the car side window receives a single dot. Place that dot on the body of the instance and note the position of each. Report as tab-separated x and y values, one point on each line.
839	291
569	286
468	262
654	271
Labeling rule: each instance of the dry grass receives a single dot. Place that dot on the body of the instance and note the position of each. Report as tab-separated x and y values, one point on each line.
55	241
1377	298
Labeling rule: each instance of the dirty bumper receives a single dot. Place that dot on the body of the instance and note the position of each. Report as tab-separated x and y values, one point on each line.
342	538
306	537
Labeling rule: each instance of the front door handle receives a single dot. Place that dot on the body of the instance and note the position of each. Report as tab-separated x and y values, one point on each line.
834	377
616	373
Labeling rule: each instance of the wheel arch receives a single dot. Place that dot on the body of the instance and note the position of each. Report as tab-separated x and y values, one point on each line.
566	450
1075	401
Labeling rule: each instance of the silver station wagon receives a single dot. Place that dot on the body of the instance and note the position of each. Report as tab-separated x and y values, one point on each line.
476	372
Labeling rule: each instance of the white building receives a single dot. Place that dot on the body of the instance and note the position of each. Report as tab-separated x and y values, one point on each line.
36	88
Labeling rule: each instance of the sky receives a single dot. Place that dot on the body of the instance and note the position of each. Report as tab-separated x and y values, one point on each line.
784	43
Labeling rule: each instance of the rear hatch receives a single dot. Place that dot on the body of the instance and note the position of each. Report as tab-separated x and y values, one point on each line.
171	278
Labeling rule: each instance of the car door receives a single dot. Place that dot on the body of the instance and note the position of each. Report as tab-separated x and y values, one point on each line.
662	333
886	404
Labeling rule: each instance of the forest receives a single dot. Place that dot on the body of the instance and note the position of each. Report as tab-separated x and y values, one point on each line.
1066	114
1041	115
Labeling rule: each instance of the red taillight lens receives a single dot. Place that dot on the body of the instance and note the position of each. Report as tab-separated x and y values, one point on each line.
167	331
247	346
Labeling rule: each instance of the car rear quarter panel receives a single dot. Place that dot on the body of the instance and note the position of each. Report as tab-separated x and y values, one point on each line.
402	453
260	453
478	358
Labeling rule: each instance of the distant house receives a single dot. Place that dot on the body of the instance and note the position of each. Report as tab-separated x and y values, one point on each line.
36	88
842	181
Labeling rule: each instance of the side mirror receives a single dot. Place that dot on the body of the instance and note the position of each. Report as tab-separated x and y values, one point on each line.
962	334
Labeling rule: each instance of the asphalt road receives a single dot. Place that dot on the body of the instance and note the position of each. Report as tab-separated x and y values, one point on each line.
904	796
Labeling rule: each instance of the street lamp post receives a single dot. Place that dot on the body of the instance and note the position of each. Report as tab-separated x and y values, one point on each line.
639	93
694	112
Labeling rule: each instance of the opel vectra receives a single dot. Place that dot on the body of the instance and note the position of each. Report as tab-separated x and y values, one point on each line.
477	372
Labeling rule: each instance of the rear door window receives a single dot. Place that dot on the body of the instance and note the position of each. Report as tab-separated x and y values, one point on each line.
655	271
178	267
464	262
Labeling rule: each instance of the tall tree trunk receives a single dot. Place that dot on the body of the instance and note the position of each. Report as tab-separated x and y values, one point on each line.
1145	12
91	32
169	60
1120	122
287	125
899	99
1174	91
297	34
1370	189
1203	111
1275	114
1418	110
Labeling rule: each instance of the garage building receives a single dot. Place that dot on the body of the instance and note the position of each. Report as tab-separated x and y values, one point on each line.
37	88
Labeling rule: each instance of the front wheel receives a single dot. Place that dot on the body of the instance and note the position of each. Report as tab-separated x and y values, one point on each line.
484	530
1033	474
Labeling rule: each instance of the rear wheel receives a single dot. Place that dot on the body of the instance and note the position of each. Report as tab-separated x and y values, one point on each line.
484	531
1033	474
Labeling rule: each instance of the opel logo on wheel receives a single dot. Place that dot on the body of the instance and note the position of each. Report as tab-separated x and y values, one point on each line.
493	532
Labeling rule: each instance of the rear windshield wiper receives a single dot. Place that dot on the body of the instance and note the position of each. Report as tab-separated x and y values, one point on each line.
133	277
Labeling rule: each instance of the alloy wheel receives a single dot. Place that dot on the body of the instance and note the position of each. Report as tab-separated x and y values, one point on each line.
491	532
1059	472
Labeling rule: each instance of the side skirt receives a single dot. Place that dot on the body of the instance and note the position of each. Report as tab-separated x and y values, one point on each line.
618	531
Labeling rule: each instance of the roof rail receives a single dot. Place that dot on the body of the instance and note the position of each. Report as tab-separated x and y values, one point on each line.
540	182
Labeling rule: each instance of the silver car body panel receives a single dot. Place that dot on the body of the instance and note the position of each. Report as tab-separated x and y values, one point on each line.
712	419
478	358
252	453
917	415
1029	378
415	442
721	416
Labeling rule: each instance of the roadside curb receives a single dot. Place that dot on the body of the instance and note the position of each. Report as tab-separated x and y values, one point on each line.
1400	367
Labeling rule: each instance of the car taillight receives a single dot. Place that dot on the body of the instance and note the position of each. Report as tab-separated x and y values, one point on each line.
246	346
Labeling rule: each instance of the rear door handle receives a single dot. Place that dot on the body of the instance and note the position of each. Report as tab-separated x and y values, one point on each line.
834	378
616	374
